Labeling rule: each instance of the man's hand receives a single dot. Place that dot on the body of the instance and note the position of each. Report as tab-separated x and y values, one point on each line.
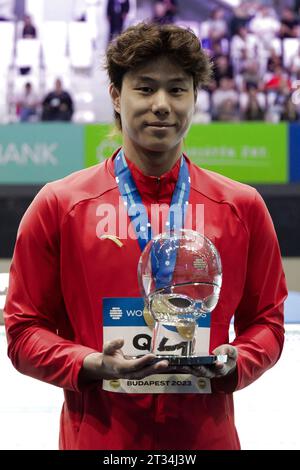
218	369
112	364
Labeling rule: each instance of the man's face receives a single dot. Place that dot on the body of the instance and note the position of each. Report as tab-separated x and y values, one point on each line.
156	105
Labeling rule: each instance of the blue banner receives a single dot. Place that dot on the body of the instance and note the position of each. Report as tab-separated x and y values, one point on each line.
294	151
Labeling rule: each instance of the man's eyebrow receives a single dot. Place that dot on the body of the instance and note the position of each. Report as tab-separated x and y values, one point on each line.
146	78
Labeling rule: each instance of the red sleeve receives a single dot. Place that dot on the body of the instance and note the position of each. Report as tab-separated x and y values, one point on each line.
38	331
259	322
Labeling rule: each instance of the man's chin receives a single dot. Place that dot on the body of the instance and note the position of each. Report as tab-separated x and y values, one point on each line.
158	147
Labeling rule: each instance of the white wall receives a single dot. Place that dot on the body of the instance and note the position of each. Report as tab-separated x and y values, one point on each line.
58	10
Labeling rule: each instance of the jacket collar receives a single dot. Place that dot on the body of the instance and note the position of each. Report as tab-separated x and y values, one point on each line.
151	187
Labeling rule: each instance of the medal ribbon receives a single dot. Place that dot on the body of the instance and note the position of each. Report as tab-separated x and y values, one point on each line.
163	264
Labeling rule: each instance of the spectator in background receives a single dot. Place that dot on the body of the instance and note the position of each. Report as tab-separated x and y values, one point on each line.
217	24
265	25
250	74
289	110
57	105
278	90
244	45
214	33
222	68
289	24
27	104
225	100
164	11
273	62
228	111
252	104
29	30
117	10
277	78
241	17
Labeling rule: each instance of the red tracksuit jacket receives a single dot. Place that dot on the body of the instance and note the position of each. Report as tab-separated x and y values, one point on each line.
61	271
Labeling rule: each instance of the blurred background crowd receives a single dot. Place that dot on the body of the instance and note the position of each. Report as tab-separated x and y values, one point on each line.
50	58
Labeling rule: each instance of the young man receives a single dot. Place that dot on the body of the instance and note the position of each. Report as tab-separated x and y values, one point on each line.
66	269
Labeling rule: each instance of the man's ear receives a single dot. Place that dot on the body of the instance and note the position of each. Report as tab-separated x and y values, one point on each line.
115	97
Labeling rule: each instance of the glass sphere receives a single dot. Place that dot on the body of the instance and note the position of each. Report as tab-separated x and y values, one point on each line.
180	276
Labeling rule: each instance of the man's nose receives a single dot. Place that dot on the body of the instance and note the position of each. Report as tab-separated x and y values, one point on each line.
160	104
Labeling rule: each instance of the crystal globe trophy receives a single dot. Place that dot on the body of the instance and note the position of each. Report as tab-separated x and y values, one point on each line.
180	277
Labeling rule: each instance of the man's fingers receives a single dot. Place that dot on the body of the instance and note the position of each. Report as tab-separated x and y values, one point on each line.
228	349
233	353
143	364
112	346
158	368
219	368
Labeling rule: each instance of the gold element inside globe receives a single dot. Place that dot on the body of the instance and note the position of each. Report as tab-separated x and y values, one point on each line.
175	310
148	318
186	331
161	311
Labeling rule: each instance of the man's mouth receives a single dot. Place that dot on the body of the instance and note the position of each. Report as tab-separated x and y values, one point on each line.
160	124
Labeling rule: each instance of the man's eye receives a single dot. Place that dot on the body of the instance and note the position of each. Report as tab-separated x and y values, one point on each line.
145	89
177	90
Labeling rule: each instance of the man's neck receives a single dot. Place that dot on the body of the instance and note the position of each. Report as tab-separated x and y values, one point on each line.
152	163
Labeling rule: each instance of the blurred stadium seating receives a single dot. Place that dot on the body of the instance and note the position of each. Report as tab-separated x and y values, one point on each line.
73	50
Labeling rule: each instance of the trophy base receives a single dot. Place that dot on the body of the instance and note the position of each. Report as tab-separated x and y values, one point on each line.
188	360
